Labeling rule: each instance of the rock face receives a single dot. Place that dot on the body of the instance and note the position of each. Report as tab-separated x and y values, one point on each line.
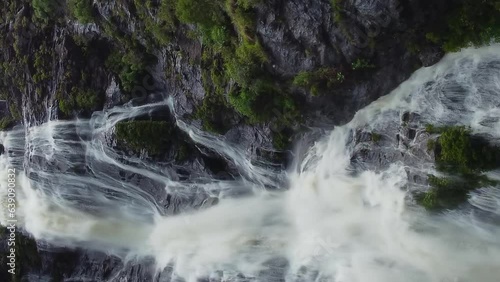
4	108
297	35
397	142
305	35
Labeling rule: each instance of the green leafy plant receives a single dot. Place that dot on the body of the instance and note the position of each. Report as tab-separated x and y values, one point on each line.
130	66
376	137
207	13
463	157
86	99
263	102
45	9
321	79
458	149
362	64
66	105
450	191
81	10
470	23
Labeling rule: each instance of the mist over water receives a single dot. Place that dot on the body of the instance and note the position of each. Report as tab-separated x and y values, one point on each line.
332	223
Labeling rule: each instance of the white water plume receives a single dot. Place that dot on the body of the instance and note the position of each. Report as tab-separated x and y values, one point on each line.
332	224
341	227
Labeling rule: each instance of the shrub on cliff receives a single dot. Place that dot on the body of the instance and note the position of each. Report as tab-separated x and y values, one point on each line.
45	9
459	150
6	122
130	67
246	64
262	102
81	10
207	13
320	79
451	191
86	99
463	157
471	23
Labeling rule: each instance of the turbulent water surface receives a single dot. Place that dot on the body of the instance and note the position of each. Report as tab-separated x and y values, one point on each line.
332	222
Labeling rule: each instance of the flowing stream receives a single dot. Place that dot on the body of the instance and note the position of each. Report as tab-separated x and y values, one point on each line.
321	220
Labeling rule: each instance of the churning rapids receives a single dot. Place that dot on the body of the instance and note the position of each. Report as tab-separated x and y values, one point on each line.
333	222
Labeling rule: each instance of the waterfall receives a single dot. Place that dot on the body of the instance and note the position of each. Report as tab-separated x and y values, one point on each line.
331	222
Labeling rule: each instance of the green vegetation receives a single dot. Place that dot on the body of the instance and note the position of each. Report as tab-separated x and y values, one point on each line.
456	148
433	129
337	10
376	137
319	80
45	9
129	66
234	64
79	99
281	140
182	152
166	12
206	13
213	113
86	99
459	150
215	109
451	191
471	23
160	29
152	136
42	62
362	64
431	145
27	59
232	53
66	106
262	101
245	66
81	10
6	122
463	157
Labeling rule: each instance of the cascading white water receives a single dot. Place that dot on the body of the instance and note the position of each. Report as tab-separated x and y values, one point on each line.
332	224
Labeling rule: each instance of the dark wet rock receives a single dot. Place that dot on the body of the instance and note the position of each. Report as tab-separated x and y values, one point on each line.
4	108
406	117
113	95
363	136
250	137
409	147
430	56
305	35
274	270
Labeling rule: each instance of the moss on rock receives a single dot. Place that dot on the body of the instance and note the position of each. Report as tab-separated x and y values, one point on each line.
463	157
152	136
459	151
319	80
